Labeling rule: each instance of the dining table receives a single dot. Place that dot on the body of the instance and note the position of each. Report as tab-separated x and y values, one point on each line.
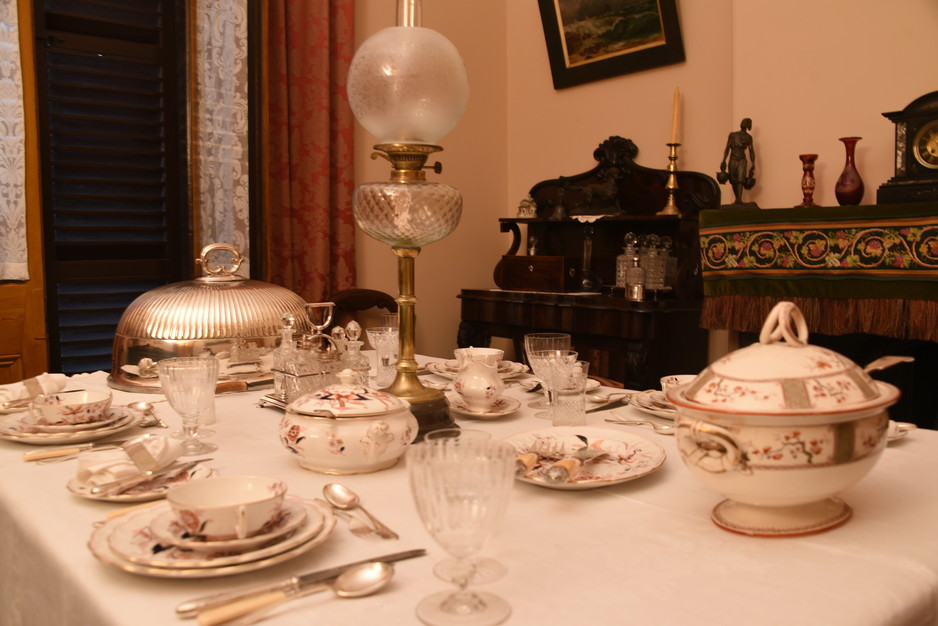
640	551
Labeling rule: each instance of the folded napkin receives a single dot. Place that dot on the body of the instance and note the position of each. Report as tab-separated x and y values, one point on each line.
31	387
100	467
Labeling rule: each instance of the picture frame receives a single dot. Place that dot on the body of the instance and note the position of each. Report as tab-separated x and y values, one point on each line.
586	43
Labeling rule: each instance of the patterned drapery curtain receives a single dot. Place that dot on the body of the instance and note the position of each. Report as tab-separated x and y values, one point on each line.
13	253
220	173
310	225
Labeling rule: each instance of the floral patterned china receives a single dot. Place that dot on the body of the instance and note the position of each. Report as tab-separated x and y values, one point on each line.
125	528
12	428
627	457
348	428
146	492
70	407
29	423
228	507
503	405
780	428
449	368
169	532
654	403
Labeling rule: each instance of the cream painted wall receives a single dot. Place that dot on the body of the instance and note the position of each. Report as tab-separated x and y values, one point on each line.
806	73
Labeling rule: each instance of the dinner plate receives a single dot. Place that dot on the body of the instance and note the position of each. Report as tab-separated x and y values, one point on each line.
143	493
653	402
11	429
98	544
447	369
28	424
168	531
503	406
629	456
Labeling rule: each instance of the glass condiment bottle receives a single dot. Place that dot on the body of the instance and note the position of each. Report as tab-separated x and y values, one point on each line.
635	281
353	358
624	260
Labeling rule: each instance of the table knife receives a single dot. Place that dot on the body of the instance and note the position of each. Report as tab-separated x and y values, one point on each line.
38	455
610	405
192	608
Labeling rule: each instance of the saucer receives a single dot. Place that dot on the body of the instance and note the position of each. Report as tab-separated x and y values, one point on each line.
12	429
125	542
503	406
28	424
629	456
143	494
653	402
168	531
447	369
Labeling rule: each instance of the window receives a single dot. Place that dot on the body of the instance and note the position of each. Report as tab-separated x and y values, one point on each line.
112	128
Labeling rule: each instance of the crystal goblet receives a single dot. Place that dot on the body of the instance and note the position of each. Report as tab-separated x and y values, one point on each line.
544	363
189	385
461	486
544	341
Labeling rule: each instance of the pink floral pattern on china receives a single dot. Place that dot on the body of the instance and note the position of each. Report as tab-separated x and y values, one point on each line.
69	408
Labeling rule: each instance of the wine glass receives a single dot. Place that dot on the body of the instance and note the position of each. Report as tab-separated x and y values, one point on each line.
534	342
544	363
461	487
189	384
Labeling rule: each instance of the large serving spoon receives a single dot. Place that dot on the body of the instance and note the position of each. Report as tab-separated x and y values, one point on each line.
355	582
341	497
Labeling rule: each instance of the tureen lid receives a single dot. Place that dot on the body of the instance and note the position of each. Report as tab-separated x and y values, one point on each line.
784	374
347	399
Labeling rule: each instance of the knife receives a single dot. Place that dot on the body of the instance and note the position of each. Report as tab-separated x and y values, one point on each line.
610	405
192	608
72	450
120	486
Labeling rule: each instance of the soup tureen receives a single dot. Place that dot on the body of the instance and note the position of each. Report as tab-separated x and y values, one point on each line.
348	428
780	428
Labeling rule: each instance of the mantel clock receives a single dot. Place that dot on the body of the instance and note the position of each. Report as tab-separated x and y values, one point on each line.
916	178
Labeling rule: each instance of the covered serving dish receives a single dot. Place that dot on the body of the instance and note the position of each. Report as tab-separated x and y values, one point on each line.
780	428
235	319
348	428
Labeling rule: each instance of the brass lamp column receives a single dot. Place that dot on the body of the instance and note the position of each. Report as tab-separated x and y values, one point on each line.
408	87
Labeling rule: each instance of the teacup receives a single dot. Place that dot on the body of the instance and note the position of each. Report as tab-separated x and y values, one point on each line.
70	407
227	507
489	356
676	380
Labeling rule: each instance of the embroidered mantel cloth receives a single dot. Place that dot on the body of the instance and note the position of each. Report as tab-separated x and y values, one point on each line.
864	269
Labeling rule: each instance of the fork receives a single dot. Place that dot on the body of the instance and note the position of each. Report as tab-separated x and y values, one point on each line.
661	429
358	526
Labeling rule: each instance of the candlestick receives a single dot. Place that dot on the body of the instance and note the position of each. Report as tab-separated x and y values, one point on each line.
670	207
676	113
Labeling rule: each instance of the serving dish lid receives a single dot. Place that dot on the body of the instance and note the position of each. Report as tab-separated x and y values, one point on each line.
784	374
347	399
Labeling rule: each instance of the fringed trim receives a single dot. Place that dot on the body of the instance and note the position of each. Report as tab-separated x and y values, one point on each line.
900	319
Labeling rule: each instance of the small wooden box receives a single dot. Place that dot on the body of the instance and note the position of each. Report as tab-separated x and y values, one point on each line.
536	273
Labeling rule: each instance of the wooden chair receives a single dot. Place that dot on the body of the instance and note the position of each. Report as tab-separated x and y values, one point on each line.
362	305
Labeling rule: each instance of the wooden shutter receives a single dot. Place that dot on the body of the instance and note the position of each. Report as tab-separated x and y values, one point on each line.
111	94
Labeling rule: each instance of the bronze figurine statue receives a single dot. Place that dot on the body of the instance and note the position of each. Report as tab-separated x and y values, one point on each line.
739	145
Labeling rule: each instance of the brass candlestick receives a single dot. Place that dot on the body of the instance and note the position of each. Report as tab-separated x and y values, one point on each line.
670	208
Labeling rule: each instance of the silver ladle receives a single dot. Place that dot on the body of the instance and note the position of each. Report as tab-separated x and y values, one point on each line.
355	582
341	497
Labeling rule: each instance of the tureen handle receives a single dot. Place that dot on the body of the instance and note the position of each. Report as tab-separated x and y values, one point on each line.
220	270
783	320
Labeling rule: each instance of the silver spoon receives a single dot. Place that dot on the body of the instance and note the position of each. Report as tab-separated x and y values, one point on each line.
147	409
355	582
344	498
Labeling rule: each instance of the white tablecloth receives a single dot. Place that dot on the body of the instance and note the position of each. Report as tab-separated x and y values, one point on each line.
642	552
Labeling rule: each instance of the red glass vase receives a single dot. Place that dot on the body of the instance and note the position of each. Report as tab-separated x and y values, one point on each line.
807	180
849	188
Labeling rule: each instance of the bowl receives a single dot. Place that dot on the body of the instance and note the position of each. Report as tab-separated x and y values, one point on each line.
780	428
348	428
227	507
68	408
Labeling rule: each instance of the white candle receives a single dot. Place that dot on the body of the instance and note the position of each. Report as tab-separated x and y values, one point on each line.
677	112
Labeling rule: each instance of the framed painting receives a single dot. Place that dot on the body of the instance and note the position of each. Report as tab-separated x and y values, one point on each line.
589	40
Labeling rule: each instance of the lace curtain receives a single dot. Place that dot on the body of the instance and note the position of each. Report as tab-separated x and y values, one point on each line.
13	253
310	225
220	125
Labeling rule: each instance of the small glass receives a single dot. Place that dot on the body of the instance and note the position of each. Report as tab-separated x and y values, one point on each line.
385	341
568	393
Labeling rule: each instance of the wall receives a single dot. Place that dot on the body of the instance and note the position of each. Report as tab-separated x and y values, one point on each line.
805	72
